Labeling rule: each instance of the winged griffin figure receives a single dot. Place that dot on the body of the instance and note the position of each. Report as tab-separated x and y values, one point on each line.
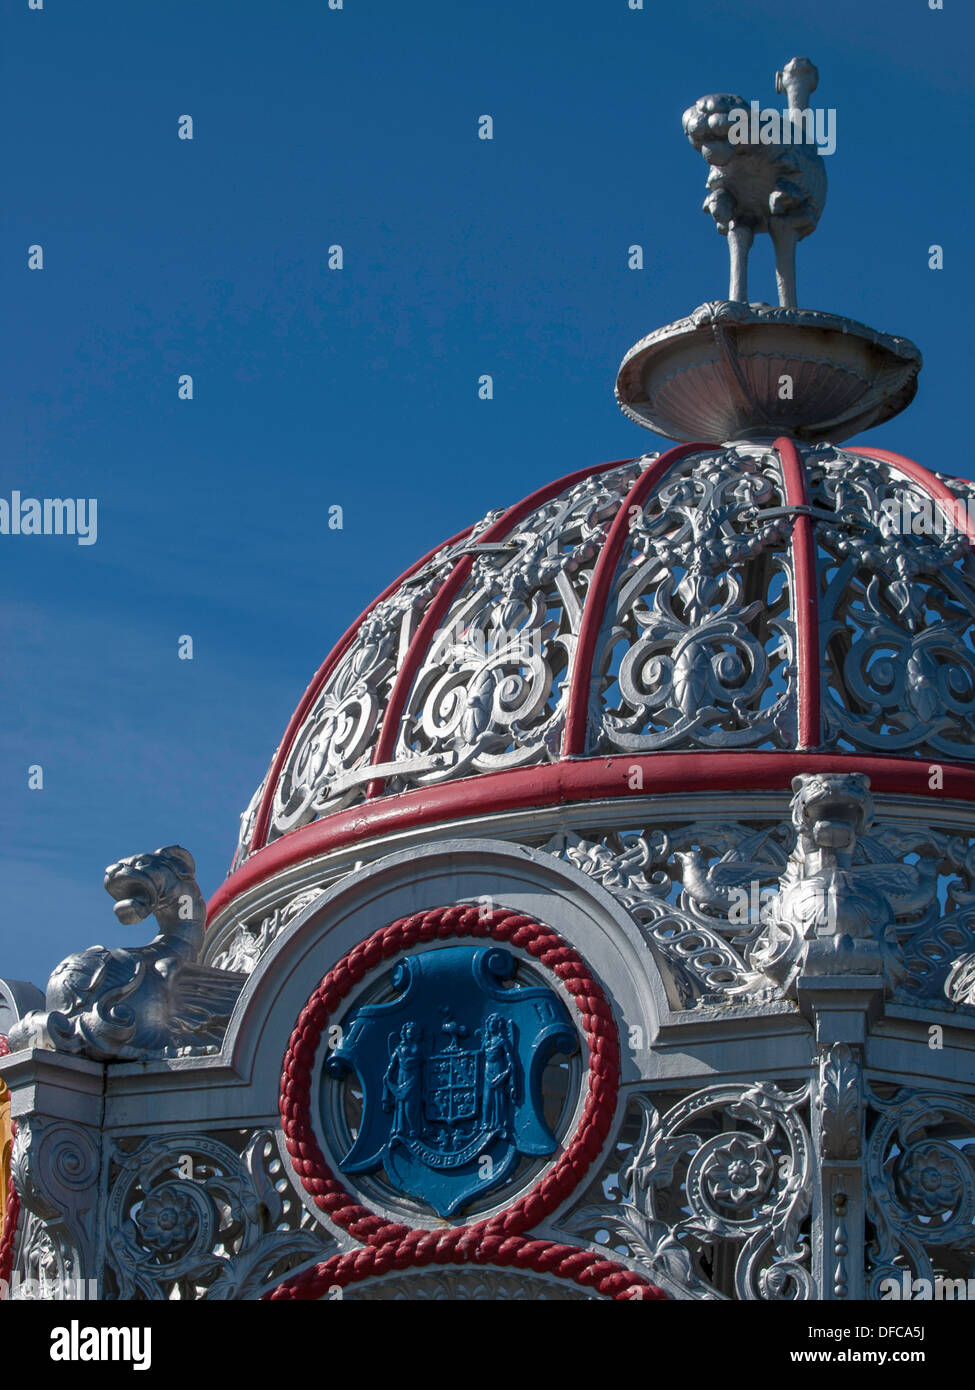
120	1003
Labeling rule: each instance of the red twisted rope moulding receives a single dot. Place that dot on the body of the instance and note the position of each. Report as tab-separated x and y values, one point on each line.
541	1256
390	1245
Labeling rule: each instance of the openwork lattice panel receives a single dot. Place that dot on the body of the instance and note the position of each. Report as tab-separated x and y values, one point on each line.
897	613
698	643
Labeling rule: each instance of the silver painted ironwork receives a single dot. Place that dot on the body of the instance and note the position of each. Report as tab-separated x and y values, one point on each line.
732	1189
690	659
898	617
328	764
195	1216
727	1169
737	913
492	690
921	1190
252	937
831	917
55	1169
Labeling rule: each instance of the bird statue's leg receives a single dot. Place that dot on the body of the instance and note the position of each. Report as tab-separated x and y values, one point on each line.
740	240
784	240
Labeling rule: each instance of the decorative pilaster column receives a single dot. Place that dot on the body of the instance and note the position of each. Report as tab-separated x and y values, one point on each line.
841	1009
55	1167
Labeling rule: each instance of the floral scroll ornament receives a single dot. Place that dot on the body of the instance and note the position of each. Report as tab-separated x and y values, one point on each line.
168	1220
728	1165
921	1186
739	1173
190	1218
928	1179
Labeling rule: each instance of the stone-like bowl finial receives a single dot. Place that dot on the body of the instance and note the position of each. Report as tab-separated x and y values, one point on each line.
737	369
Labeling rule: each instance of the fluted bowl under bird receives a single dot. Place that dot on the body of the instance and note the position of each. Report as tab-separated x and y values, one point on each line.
734	371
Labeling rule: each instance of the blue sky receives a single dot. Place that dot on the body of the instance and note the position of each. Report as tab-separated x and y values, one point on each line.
316	387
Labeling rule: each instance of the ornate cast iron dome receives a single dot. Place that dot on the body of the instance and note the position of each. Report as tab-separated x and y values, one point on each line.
751	598
605	924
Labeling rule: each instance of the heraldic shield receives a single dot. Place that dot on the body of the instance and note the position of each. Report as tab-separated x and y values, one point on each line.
451	1074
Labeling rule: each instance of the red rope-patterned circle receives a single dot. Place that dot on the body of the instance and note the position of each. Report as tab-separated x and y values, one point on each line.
437	925
606	1277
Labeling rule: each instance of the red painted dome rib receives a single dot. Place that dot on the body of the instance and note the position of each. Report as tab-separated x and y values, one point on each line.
581	780
418	648
582	674
259	833
918	474
806	596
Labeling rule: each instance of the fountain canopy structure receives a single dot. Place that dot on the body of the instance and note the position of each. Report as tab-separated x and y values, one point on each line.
604	926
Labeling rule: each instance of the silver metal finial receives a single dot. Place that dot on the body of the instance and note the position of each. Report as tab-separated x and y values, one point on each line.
736	369
767	173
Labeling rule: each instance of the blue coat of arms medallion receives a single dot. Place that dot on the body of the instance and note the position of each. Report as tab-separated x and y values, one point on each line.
451	1074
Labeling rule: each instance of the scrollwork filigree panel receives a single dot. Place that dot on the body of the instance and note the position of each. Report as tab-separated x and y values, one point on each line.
897	614
204	1217
920	1170
492	690
327	765
714	1192
698	646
